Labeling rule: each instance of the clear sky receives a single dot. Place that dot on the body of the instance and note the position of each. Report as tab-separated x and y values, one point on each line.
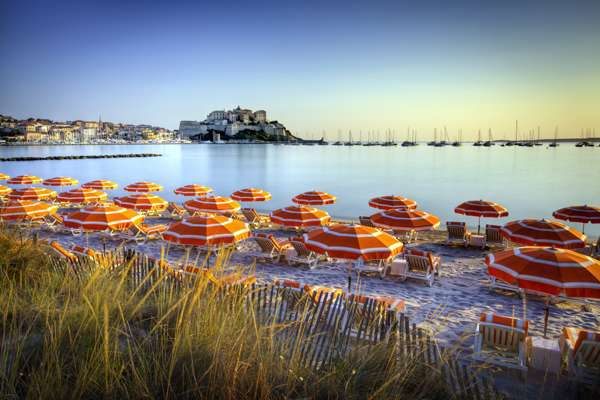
313	65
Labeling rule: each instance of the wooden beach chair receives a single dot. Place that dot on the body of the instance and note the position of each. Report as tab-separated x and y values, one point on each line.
304	256
366	221
270	248
457	233
422	265
255	220
502	340
174	210
581	354
493	237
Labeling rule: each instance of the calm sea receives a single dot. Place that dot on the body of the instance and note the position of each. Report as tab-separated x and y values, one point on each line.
530	182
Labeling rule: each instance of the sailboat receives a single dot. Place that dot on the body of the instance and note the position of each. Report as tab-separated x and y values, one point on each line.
434	142
478	142
489	142
457	143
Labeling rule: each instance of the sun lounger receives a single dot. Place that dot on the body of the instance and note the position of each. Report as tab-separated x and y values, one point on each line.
493	236
255	220
304	256
581	353
270	248
422	265
457	233
61	251
366	221
81	251
372	267
54	223
174	210
502	340
140	233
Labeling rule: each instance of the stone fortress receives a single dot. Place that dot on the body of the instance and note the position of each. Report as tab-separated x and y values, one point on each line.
229	123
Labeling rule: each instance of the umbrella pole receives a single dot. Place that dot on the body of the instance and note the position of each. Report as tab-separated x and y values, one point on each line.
479	225
546	314
524	306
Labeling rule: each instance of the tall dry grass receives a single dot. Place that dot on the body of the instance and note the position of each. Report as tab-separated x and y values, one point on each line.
97	336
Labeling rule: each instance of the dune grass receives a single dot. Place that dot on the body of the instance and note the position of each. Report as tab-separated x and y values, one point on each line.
98	336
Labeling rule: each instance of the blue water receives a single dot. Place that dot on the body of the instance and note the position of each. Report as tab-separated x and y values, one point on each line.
530	182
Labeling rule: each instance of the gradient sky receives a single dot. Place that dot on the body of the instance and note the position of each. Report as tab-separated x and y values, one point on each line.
313	65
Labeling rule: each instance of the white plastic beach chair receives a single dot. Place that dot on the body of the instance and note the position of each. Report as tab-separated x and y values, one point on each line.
457	233
581	353
422	266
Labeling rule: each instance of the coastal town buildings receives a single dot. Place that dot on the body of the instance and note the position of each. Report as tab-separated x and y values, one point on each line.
230	123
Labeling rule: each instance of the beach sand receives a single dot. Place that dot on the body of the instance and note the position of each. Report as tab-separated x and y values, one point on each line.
449	309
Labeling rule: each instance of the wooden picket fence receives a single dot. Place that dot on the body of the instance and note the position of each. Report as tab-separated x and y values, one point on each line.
320	328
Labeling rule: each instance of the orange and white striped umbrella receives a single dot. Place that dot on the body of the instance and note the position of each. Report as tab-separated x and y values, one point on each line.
206	230
4	190
60	181
353	242
405	220
102	217
300	216
547	270
142	202
32	193
543	232
391	202
481	208
24	180
584	214
82	196
314	198
212	204
143	187
251	194
100	184
4	177
193	190
25	209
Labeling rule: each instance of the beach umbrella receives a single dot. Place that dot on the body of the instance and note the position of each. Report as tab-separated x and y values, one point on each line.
4	190
547	270
143	187
193	190
25	209
251	194
584	214
314	198
353	242
81	196
4	177
543	232
32	193
300	216
404	220
391	202
24	180
142	202
60	181
212	204
206	230
100	184
102	217
481	208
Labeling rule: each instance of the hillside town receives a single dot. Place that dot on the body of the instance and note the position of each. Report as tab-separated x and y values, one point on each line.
239	124
45	131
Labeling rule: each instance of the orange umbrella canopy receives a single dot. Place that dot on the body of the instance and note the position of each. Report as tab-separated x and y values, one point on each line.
584	214
314	198
143	187
100	184
142	201
543	232
25	209
353	242
391	202
24	180
61	181
4	190
251	194
4	177
193	190
481	208
300	216
212	204
206	230
102	217
405	220
32	193
547	270
81	196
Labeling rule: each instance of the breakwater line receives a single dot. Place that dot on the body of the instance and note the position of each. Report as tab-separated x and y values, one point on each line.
76	157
